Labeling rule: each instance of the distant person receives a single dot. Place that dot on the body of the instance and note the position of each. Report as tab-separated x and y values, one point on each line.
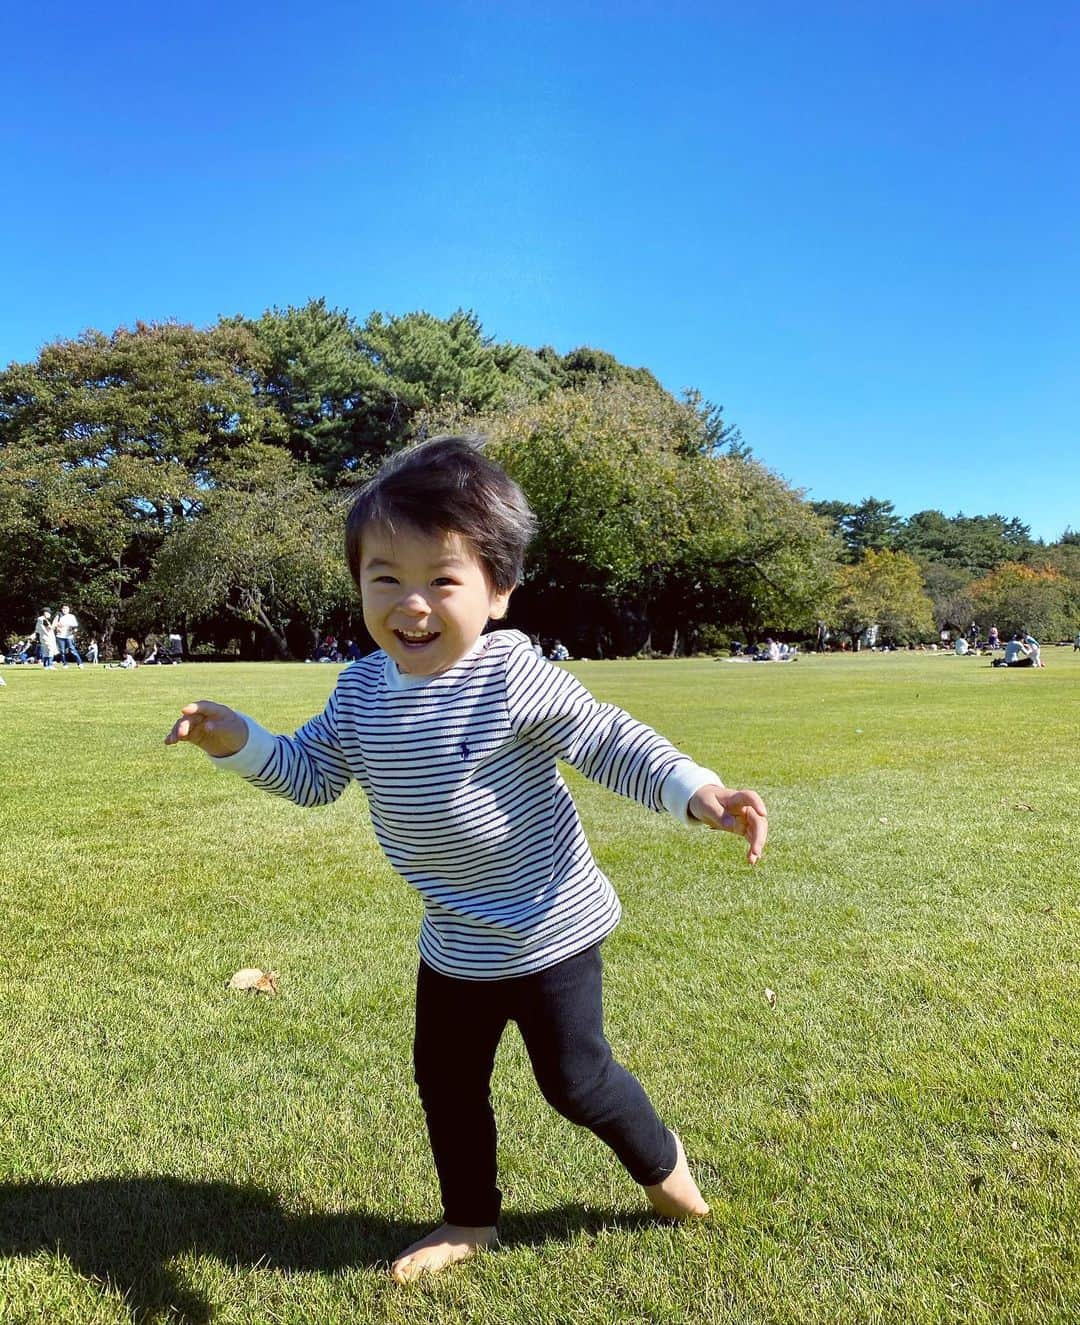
66	625
127	662
961	646
538	648
1076	643
46	637
993	640
92	651
560	653
353	652
1033	649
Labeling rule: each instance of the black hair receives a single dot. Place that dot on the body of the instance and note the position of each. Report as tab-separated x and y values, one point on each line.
448	486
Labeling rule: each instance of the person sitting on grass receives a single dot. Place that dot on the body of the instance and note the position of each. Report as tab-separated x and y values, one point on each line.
127	663
454	735
1017	654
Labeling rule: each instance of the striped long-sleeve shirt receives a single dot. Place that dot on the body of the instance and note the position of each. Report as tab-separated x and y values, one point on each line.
466	799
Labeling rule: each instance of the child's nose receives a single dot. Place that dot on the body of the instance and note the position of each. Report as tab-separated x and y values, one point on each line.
414	602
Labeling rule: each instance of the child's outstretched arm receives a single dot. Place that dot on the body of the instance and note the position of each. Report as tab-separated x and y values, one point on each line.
741	812
214	728
308	767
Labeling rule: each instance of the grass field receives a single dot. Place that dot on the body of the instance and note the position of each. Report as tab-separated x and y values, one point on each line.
896	1140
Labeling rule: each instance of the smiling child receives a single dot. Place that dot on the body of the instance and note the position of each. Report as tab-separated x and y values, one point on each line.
454	734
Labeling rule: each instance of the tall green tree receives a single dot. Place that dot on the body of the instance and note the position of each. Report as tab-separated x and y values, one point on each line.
645	534
321	382
266	547
974	543
871	525
104	441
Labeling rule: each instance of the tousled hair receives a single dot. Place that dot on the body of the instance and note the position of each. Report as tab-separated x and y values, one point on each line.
448	486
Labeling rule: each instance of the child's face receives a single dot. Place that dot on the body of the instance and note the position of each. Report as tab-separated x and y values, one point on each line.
426	597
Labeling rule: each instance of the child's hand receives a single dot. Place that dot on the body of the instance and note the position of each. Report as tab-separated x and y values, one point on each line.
741	812
212	727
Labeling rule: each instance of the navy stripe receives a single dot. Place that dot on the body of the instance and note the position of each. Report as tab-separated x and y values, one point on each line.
467	802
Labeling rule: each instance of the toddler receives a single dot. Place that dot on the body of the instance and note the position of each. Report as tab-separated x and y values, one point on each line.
454	735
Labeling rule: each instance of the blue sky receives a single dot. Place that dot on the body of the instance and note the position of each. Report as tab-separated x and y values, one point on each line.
855	226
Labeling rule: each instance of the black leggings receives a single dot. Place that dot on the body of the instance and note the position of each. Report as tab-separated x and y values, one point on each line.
559	1012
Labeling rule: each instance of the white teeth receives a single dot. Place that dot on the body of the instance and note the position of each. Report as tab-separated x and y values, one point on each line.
415	634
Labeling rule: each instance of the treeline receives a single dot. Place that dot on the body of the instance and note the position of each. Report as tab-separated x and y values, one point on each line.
171	477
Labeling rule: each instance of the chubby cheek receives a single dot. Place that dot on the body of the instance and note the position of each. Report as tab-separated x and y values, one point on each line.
372	616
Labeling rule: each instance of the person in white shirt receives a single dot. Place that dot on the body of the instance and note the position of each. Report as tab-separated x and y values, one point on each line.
46	637
454	735
66	626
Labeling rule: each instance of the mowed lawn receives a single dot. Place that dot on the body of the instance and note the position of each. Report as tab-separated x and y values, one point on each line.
897	1139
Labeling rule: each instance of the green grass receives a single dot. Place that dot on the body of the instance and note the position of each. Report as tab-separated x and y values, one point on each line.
897	1140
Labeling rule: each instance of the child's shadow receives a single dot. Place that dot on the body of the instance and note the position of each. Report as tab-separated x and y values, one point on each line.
126	1232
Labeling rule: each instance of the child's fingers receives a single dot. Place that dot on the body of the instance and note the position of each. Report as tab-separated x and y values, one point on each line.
206	708
195	723
757	829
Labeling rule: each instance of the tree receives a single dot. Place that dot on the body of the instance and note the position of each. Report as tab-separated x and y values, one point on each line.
973	543
321	382
883	589
267	546
104	441
422	363
1016	597
871	525
645	533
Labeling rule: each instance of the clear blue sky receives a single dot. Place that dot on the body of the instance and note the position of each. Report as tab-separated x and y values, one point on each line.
855	226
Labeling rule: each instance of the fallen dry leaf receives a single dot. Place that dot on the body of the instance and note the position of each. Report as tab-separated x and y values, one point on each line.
254	981
770	997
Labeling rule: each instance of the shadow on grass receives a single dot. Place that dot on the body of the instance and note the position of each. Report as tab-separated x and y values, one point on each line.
124	1232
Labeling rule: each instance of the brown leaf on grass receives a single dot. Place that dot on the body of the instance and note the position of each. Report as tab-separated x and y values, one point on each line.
1023	805
254	981
770	997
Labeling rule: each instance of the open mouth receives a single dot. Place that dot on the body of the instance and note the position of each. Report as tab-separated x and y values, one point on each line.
416	639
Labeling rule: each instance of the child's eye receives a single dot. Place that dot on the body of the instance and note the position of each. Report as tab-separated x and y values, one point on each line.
443	580
385	579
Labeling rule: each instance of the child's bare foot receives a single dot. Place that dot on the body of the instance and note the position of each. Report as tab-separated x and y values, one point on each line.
677	1197
444	1246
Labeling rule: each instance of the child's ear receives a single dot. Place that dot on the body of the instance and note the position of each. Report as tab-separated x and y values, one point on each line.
499	603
